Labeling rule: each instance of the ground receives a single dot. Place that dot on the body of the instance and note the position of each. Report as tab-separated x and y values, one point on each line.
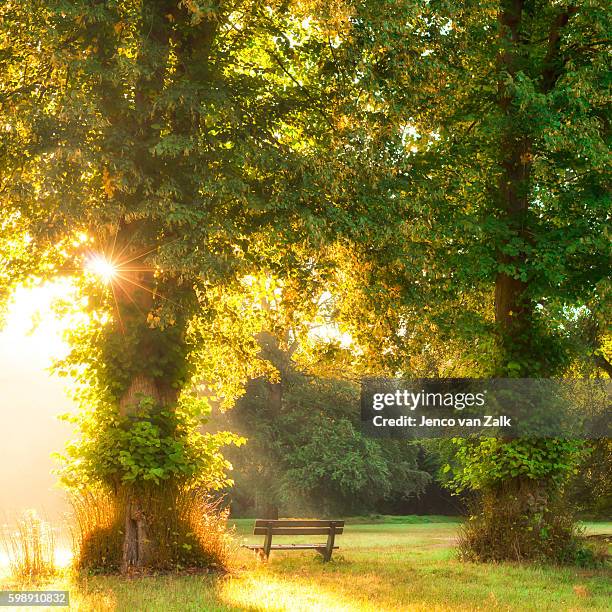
386	564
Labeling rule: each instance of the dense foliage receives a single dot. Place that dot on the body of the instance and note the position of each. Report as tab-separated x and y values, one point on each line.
321	464
488	127
432	178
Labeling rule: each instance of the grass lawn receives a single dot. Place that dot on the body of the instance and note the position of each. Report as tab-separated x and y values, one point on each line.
398	563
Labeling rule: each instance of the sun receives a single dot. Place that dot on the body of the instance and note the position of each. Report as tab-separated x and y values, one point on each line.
102	267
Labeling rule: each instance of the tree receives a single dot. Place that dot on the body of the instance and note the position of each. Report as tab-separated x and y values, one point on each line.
487	129
449	158
156	144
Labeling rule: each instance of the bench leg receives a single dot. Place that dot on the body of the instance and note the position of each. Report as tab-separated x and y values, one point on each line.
267	543
329	549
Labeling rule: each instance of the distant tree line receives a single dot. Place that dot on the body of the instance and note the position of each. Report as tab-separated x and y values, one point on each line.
305	456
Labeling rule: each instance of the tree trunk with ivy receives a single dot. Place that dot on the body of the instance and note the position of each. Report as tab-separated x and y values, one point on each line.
154	381
149	390
139	540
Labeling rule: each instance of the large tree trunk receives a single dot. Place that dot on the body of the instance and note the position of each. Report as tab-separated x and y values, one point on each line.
137	545
146	394
512	311
135	291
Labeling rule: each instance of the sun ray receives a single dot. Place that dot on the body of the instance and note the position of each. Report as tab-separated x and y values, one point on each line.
114	271
112	250
140	310
155	248
121	325
153	293
125	246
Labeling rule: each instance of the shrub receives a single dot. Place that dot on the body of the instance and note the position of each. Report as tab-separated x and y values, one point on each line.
522	524
96	530
519	512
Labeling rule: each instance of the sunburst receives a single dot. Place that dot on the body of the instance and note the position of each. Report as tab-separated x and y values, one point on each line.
102	267
116	271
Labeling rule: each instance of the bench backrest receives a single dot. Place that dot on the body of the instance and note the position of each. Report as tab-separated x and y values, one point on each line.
291	527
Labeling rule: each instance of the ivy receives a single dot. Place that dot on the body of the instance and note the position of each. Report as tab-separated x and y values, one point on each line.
487	464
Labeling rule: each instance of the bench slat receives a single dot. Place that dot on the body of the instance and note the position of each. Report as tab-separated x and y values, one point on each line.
295	530
288	546
296	523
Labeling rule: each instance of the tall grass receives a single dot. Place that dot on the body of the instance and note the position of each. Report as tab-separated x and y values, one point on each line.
201	527
187	528
30	547
96	530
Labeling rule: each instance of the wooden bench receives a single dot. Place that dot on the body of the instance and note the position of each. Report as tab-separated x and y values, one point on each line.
270	528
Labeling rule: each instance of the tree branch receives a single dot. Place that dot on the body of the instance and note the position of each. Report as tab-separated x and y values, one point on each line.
603	363
552	65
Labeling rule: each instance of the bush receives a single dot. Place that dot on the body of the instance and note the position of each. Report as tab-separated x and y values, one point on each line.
96	530
523	525
519	512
